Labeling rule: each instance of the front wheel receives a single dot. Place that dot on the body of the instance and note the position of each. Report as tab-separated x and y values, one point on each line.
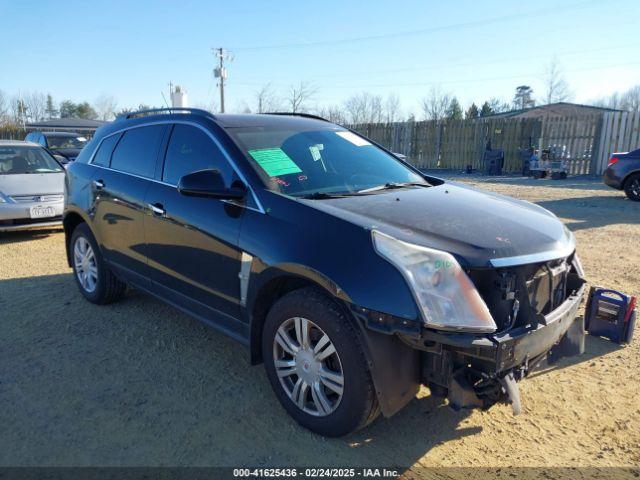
94	279
632	187
316	366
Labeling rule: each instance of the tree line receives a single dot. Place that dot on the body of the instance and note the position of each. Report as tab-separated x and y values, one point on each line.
360	108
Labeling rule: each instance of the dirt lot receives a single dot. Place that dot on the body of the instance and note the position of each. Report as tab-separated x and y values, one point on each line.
138	383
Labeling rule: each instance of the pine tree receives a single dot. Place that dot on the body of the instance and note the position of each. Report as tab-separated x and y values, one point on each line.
486	110
472	112
51	108
454	111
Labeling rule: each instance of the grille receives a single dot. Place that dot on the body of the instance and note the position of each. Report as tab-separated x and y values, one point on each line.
537	288
37	198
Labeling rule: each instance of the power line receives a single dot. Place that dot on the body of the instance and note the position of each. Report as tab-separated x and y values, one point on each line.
468	64
472	23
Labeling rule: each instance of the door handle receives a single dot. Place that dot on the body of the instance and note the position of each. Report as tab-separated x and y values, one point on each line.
99	184
157	209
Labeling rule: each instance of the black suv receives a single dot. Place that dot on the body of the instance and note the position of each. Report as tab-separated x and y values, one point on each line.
65	146
354	277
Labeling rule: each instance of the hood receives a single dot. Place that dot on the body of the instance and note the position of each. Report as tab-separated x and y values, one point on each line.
481	229
32	184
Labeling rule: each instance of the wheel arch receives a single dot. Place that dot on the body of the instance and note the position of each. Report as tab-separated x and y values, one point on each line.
628	177
70	221
271	284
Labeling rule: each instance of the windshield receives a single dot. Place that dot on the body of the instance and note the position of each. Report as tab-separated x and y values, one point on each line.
304	162
20	160
56	142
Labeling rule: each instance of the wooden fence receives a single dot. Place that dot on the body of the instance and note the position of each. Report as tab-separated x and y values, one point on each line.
619	132
12	132
584	142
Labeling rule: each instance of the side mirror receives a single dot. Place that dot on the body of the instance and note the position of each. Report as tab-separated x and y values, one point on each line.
208	183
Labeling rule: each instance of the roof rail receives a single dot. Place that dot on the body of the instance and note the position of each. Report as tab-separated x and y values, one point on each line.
153	111
296	114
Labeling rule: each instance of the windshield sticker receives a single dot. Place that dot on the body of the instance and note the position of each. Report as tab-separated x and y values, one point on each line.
274	161
355	139
315	151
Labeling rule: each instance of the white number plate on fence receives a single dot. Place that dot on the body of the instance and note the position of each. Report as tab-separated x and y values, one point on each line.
42	212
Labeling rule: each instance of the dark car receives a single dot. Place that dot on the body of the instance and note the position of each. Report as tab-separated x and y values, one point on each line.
64	146
623	173
352	276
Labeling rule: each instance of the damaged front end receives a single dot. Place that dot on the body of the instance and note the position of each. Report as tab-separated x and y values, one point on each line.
534	307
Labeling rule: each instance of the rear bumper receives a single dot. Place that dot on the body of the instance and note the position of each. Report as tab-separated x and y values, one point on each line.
612	179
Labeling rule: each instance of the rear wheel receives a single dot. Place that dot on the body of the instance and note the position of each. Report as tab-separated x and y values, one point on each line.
316	365
632	187
94	279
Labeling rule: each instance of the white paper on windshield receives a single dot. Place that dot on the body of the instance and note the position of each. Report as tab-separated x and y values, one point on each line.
315	151
355	139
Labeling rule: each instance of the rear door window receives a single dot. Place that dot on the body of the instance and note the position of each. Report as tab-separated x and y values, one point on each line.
137	151
103	155
190	150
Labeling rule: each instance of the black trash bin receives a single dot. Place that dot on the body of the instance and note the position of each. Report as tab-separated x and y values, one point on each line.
493	162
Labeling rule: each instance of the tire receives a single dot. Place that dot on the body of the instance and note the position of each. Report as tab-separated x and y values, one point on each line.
96	281
632	187
342	413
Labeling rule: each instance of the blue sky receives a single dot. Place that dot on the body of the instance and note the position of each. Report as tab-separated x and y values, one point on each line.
475	50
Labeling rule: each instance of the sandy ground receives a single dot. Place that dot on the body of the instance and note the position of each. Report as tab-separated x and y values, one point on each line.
138	383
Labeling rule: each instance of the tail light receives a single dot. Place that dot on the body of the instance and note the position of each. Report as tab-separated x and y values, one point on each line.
613	161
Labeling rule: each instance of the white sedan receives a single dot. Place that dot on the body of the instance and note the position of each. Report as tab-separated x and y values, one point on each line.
31	187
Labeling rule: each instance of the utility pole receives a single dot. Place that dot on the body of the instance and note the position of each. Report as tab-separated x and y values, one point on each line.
220	72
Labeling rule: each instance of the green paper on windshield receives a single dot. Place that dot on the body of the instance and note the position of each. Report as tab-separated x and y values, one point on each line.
274	161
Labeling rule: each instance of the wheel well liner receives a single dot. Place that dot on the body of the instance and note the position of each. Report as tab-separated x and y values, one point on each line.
70	222
268	295
629	175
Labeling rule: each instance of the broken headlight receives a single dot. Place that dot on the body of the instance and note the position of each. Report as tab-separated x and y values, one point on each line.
445	295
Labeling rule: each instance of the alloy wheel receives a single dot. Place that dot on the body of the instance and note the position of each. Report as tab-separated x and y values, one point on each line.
85	264
308	366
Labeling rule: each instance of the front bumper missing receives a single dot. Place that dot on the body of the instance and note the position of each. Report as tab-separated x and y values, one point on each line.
478	371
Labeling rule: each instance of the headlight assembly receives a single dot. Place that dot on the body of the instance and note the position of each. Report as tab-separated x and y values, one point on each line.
445	295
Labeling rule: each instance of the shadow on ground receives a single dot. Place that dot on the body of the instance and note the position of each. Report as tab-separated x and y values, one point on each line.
138	383
595	211
26	235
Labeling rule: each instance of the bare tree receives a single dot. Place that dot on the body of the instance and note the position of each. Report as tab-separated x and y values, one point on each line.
364	108
435	105
105	106
18	110
267	99
556	87
333	113
498	106
631	99
392	108
299	95
36	106
4	107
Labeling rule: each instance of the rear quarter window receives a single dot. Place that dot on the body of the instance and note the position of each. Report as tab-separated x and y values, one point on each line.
103	154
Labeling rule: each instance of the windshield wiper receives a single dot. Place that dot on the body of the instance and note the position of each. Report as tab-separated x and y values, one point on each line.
393	185
323	195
